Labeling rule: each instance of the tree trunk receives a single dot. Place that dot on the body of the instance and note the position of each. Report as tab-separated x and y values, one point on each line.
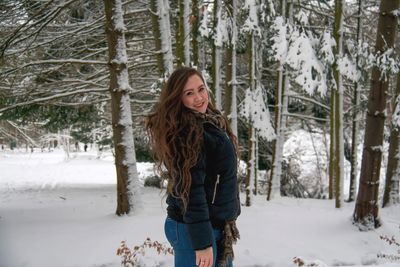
391	193
186	33
281	104
180	35
165	30
250	166
125	159
366	208
338	106
230	104
332	145
250	176
194	19
157	36
216	58
356	113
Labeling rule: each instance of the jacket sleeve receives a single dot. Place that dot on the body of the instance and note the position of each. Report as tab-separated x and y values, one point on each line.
196	216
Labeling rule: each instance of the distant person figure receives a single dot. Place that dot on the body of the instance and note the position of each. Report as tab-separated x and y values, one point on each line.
2	147
85	147
76	146
193	141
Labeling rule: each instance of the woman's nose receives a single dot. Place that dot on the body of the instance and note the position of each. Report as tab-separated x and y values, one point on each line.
198	97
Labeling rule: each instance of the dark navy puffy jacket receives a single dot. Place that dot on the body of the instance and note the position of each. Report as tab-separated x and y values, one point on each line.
214	194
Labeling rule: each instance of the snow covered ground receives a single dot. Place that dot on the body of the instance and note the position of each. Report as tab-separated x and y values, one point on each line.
60	213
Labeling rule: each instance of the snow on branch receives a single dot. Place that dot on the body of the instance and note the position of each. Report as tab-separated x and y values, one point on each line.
56	61
251	24
387	62
280	44
325	52
301	57
47	98
396	114
221	32
203	29
118	18
348	68
253	109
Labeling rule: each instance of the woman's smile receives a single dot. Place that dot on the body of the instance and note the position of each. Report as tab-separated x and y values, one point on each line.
195	94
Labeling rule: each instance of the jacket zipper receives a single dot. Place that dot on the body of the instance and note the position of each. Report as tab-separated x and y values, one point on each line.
215	189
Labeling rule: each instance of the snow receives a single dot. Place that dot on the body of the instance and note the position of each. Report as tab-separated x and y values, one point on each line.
203	29
302	58
221	35
118	17
348	68
253	109
251	24
280	45
62	213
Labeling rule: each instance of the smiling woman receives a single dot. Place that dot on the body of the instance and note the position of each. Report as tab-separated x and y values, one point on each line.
195	94
193	142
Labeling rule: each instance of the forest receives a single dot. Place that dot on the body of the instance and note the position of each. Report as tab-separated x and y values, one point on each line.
76	72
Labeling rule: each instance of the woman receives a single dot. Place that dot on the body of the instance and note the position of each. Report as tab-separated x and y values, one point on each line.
195	148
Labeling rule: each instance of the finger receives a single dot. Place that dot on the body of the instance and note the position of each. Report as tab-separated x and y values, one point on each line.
197	260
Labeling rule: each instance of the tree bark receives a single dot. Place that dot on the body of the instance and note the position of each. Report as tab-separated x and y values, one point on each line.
180	35
281	104
128	197
163	11
230	104
216	59
194	19
157	36
338	106
391	193
366	208
356	113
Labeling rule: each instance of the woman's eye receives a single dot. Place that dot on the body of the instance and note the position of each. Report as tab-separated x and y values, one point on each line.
201	89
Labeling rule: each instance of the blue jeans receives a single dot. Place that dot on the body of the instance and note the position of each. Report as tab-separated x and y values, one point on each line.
178	237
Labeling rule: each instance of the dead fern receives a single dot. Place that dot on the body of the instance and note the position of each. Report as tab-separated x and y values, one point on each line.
131	257
392	242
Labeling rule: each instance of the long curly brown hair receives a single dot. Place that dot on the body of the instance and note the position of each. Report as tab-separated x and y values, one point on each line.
176	134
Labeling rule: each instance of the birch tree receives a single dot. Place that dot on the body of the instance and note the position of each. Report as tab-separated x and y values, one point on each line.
356	112
128	195
366	208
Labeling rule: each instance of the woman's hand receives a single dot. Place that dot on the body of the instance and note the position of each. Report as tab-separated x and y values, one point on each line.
204	257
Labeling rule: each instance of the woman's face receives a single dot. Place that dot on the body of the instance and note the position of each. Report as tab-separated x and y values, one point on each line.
195	94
